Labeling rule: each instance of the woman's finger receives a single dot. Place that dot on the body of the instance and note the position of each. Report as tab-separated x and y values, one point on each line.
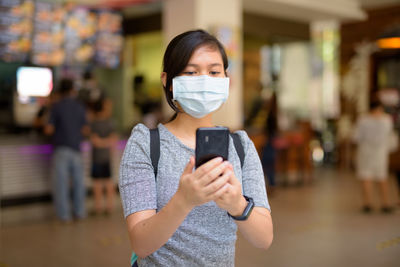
213	174
217	183
221	192
206	167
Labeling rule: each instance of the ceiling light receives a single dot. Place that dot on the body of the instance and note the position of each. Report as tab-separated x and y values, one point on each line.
390	39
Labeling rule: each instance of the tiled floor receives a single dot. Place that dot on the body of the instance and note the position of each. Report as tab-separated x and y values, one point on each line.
316	225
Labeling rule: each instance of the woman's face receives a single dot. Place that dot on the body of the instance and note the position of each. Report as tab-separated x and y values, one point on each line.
205	61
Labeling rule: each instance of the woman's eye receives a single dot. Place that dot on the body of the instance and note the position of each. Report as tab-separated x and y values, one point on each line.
214	72
189	72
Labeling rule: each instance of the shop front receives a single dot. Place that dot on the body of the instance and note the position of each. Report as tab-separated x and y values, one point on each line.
42	42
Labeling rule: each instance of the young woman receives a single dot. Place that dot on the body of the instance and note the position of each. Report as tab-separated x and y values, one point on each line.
188	216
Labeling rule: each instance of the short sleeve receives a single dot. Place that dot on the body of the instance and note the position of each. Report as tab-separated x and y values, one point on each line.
253	181
137	182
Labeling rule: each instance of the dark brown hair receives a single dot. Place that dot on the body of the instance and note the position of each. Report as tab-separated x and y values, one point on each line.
66	85
178	53
374	104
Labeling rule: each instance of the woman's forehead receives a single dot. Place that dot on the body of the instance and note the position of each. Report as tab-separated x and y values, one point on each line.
206	54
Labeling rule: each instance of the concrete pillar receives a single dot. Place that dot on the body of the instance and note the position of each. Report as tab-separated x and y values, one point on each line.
222	18
325	81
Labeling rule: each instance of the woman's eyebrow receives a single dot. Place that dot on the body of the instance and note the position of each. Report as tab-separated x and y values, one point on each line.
209	65
192	65
215	65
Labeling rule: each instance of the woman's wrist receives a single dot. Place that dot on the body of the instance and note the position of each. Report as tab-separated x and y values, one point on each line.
238	209
181	203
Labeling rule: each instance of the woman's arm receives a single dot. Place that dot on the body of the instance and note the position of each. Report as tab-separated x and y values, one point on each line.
148	230
257	229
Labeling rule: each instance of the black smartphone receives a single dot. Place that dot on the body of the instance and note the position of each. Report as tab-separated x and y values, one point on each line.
211	143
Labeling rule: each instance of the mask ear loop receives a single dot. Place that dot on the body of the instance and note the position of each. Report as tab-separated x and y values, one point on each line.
175	102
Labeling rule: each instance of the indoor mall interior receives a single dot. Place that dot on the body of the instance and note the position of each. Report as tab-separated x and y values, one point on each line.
315	84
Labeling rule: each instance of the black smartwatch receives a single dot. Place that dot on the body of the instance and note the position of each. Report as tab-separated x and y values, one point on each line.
246	212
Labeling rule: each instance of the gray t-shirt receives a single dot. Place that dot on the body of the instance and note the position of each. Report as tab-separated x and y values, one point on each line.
207	236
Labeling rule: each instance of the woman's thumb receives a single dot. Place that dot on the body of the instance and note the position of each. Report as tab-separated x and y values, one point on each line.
189	167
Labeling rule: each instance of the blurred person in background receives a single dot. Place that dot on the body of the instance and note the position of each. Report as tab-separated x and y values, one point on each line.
372	135
42	116
268	157
67	125
103	139
259	108
186	216
150	108
91	92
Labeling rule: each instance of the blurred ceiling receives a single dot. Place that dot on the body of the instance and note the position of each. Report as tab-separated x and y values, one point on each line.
377	3
314	10
295	10
307	10
113	3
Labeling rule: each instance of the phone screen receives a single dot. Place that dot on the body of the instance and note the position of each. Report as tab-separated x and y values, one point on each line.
211	143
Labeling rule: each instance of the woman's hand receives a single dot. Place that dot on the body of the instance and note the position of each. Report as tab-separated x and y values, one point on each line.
206	183
232	199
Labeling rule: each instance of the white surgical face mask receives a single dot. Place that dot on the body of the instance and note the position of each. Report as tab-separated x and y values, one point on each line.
200	95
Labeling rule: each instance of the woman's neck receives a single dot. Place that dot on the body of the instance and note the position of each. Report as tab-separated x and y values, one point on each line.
184	127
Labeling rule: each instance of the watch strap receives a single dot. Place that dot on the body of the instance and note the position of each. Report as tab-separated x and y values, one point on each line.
246	213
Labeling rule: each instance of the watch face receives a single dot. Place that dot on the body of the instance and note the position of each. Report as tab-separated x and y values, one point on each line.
249	207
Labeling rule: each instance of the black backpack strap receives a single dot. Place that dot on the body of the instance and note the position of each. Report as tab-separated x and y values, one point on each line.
239	147
155	149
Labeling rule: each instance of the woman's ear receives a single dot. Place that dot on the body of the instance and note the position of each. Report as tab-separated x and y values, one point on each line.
164	78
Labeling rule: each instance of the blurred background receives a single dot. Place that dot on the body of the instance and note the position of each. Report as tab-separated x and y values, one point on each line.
302	73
